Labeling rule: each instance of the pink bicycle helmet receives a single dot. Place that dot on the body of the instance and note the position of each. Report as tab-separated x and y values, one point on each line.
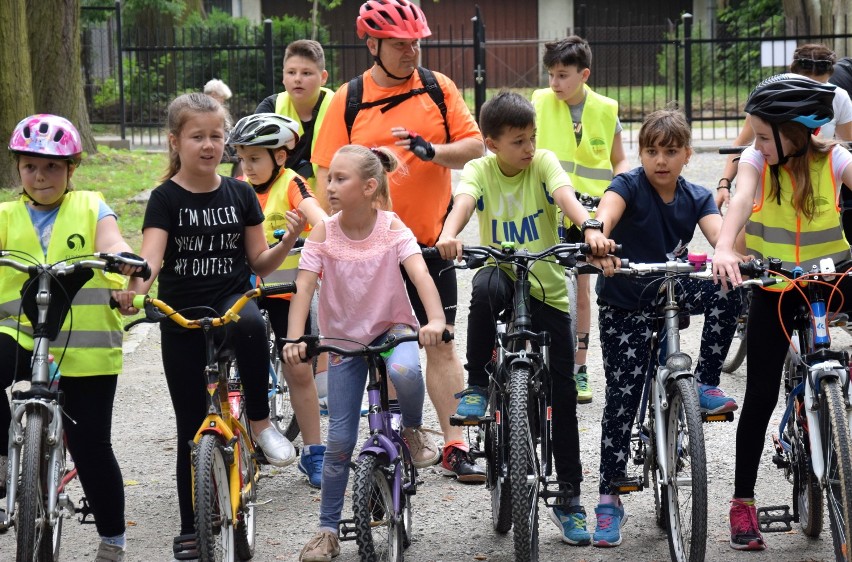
49	136
392	19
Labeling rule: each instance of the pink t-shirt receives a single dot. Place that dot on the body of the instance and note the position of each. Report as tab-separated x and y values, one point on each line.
363	294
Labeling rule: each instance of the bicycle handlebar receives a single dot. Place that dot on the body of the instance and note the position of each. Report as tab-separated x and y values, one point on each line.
157	310
732	149
475	257
314	347
107	262
696	270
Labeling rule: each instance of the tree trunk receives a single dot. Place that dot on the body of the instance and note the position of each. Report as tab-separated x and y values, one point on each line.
15	81
802	16
54	35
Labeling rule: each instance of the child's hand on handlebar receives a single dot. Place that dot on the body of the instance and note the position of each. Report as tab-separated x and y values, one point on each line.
125	301
726	266
601	245
431	333
297	221
607	264
450	248
295	353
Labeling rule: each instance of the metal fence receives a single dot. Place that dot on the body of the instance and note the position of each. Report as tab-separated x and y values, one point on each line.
132	74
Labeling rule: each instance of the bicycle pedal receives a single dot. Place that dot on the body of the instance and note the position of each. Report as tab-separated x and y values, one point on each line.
723	417
780	461
87	517
627	484
347	530
258	503
775	519
457	420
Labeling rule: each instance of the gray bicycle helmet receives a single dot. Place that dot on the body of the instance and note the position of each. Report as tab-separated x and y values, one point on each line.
792	97
268	130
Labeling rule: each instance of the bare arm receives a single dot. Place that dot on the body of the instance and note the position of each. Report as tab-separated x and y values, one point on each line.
710	226
313	211
415	267
617	157
448	243
108	237
746	136
726	258
262	259
300	304
566	200
321	188
153	249
844	131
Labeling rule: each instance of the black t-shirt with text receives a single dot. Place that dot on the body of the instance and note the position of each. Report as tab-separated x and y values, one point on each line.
205	257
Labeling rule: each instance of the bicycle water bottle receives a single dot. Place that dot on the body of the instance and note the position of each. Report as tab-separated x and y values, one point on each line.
53	373
820	328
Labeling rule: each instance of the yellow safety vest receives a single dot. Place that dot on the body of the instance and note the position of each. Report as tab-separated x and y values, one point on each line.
277	204
778	231
588	165
94	347
283	106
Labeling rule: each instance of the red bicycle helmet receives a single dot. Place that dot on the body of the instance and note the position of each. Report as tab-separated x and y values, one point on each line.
392	19
48	136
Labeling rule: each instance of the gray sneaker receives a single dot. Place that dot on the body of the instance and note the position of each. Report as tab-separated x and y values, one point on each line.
109	553
424	452
321	548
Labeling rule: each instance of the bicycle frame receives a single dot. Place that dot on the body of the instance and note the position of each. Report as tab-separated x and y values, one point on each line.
818	362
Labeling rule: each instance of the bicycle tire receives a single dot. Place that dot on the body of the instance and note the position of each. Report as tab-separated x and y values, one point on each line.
651	469
281	407
496	478
685	494
213	525
378	535
409	480
245	527
31	516
837	446
523	468
807	490
737	352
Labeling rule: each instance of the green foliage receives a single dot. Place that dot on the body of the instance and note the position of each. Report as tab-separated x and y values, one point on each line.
748	18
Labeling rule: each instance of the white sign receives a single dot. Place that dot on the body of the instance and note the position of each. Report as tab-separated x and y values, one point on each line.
776	53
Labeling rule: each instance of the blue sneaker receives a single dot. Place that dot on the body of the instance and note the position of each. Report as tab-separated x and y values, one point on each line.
310	464
610	519
473	403
712	400
571	521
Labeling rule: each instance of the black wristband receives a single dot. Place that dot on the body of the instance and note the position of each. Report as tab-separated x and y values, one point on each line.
720	186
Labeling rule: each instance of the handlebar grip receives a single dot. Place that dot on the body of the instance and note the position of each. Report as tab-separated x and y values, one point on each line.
447	336
752	269
145	274
430	253
139	301
113	303
587	249
732	149
277	289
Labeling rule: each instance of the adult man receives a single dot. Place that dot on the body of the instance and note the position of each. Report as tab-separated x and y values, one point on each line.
396	108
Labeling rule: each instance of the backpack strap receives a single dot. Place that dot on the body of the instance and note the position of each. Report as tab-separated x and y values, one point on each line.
355	93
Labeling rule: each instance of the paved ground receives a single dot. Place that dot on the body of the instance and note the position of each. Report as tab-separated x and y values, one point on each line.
452	521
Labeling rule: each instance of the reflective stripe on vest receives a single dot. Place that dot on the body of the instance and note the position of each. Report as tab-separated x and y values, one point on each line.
588	165
96	330
283	106
277	204
778	231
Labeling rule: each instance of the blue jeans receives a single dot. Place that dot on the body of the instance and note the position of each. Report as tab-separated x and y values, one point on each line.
347	378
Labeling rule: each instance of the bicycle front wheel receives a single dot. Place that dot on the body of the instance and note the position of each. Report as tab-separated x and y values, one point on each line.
738	349
35	538
378	533
281	408
685	493
523	468
213	520
495	465
837	447
244	529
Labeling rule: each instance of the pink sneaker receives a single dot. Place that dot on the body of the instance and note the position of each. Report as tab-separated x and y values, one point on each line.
745	531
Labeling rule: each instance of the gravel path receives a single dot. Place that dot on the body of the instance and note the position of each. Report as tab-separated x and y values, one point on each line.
452	521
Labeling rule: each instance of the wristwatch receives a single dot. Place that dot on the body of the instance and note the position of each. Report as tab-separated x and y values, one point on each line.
591	223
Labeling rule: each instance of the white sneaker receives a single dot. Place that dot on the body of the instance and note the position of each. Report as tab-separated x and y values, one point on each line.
109	553
277	448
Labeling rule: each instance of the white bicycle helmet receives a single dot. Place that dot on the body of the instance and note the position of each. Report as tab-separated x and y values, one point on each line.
268	130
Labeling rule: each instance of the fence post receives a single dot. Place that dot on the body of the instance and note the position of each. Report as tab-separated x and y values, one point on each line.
267	47
122	118
478	62
687	67
580	22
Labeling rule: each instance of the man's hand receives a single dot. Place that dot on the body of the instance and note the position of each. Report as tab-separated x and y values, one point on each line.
421	148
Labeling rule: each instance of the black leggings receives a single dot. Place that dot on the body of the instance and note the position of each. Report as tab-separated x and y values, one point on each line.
184	358
767	348
89	402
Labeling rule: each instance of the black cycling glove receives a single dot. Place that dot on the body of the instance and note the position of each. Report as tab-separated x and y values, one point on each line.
421	148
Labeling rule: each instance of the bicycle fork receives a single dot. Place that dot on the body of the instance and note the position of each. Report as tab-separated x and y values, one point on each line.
57	499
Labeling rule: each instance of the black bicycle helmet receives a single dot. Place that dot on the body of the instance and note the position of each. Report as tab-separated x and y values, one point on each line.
792	97
268	130
842	74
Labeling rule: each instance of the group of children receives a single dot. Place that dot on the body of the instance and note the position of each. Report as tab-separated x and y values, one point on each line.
788	177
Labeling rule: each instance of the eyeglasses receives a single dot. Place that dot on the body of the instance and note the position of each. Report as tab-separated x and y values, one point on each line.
818	66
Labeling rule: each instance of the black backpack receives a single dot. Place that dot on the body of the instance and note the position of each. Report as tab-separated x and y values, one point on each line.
356	91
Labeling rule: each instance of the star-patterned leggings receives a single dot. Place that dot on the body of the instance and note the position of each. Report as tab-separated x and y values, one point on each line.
625	342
